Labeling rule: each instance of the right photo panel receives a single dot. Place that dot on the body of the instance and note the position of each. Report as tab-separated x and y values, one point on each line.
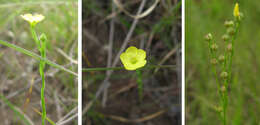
221	62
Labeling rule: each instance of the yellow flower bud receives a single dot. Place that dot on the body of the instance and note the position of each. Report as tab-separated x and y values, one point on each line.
236	12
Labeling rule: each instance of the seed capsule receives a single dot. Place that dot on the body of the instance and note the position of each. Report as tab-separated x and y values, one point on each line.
221	58
208	37
225	37
229	24
214	47
229	47
213	61
223	89
224	75
231	31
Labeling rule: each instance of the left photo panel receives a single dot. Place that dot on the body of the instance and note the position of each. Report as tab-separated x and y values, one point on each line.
38	62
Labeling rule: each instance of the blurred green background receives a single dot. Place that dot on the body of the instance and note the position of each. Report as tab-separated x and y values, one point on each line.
202	17
18	71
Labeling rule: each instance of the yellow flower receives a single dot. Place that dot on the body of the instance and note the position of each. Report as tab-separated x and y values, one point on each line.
133	58
33	19
236	12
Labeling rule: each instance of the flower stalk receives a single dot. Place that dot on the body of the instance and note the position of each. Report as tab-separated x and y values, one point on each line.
224	77
41	45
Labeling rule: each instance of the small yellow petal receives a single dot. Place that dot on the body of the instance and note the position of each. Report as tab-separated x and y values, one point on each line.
123	56
131	49
236	12
141	54
141	63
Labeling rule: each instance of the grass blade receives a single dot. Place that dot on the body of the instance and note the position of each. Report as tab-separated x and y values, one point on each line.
37	57
18	112
119	68
49	120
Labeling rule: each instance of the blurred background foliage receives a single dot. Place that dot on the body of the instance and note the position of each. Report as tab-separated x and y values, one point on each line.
202	17
18	71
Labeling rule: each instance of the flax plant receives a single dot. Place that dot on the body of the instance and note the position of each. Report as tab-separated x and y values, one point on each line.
222	63
133	59
41	45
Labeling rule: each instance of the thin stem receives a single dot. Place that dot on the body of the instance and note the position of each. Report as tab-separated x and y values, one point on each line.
42	92
41	47
35	38
237	25
120	68
37	57
140	84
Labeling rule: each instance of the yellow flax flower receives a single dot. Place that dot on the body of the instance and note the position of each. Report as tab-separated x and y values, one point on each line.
236	12
133	58
33	19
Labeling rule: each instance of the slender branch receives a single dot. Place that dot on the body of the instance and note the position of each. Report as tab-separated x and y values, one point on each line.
120	68
37	57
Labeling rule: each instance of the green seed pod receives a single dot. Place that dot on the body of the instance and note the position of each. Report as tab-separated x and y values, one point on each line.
214	47
231	31
225	37
229	47
229	23
224	75
221	58
213	61
43	37
208	37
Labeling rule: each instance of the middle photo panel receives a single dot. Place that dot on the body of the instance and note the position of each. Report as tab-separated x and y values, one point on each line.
131	53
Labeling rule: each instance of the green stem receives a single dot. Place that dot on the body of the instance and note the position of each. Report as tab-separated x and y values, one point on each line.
37	57
120	68
237	25
42	92
214	70
41	47
35	38
139	84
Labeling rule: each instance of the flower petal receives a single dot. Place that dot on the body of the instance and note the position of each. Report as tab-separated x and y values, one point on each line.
141	54
123	57
131	49
141	63
130	66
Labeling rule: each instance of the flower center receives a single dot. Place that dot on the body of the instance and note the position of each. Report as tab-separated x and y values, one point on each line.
133	60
